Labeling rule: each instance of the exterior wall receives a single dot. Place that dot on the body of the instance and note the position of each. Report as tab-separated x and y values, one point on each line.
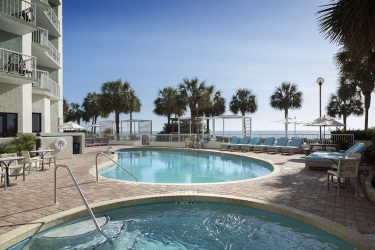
54	117
17	99
41	105
10	41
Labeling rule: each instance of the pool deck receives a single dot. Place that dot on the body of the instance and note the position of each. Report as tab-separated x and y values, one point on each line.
293	186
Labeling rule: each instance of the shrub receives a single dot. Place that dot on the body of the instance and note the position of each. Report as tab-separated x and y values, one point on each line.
24	142
367	134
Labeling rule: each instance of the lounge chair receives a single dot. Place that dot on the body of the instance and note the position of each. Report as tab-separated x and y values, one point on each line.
295	146
327	160
280	143
253	142
233	141
267	142
347	168
244	141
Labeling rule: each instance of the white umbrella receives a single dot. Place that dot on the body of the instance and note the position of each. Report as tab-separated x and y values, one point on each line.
325	122
71	126
290	120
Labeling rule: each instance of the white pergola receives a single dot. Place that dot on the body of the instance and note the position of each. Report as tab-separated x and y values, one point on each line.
245	123
136	126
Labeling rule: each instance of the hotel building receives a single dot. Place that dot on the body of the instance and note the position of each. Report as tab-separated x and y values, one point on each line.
31	72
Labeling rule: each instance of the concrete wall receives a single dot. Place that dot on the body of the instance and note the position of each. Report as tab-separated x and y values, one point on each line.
17	99
67	153
41	104
10	41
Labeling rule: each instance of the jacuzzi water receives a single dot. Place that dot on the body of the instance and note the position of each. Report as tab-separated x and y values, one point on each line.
185	166
192	226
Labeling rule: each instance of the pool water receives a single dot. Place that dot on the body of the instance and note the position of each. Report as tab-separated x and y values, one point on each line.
185	166
194	226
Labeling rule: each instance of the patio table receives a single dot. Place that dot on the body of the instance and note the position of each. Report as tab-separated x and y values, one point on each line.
42	153
6	161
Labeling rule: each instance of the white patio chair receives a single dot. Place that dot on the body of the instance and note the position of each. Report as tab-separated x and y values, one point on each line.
30	161
15	168
347	169
49	158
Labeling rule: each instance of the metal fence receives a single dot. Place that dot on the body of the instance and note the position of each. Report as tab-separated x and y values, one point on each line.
19	9
16	63
40	36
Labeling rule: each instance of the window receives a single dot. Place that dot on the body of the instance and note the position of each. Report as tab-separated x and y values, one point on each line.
37	122
8	124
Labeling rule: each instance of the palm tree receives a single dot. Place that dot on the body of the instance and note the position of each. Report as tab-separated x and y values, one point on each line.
360	74
345	102
243	101
134	107
286	97
66	110
195	95
352	24
215	107
168	103
115	97
75	112
92	109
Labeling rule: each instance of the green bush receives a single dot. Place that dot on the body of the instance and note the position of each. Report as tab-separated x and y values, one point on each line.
24	142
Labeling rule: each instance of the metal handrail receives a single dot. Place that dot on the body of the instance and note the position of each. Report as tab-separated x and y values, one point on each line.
79	191
121	166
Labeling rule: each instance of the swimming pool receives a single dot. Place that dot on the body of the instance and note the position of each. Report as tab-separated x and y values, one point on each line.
185	166
191	225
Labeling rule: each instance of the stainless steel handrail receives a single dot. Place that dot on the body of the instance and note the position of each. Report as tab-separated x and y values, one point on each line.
79	191
121	166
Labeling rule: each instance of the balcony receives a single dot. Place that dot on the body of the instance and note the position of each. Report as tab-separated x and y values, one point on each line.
43	49
46	86
17	68
17	17
48	19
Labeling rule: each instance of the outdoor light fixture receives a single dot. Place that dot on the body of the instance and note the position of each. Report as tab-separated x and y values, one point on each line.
320	81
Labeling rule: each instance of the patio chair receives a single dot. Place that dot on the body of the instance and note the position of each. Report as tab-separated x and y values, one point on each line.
253	142
267	142
243	141
295	146
15	168
327	160
233	141
280	143
30	161
347	169
49	158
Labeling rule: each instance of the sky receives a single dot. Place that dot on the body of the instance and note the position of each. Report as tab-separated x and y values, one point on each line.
231	44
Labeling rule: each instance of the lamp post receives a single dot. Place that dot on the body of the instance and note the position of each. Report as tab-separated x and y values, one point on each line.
320	81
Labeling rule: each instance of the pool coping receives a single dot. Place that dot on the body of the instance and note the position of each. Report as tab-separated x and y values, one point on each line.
352	237
106	164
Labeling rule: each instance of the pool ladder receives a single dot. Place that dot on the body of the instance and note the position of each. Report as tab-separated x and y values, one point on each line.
88	207
116	162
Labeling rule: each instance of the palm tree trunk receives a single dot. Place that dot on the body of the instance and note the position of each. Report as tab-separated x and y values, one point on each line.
92	123
117	121
244	123
286	122
344	120
367	96
95	120
131	123
208	125
169	120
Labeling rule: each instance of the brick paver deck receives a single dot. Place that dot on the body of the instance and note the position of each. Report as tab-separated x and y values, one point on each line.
294	186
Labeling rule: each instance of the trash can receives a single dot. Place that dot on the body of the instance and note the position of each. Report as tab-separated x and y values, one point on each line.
76	148
38	141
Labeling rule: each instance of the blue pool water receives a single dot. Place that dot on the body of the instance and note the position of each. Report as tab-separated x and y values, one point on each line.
193	226
185	166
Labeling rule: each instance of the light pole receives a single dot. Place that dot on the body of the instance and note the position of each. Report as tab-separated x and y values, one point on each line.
320	81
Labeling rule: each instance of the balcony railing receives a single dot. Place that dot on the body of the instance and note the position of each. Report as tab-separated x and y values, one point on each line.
53	18
40	36
19	9
45	82
15	63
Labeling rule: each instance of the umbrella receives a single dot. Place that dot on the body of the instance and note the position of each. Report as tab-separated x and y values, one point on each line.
325	122
290	120
71	126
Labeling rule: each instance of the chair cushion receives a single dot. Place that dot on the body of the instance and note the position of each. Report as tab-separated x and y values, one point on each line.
282	141
269	141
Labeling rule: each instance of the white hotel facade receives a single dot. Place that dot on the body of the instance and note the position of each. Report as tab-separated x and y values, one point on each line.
31	72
